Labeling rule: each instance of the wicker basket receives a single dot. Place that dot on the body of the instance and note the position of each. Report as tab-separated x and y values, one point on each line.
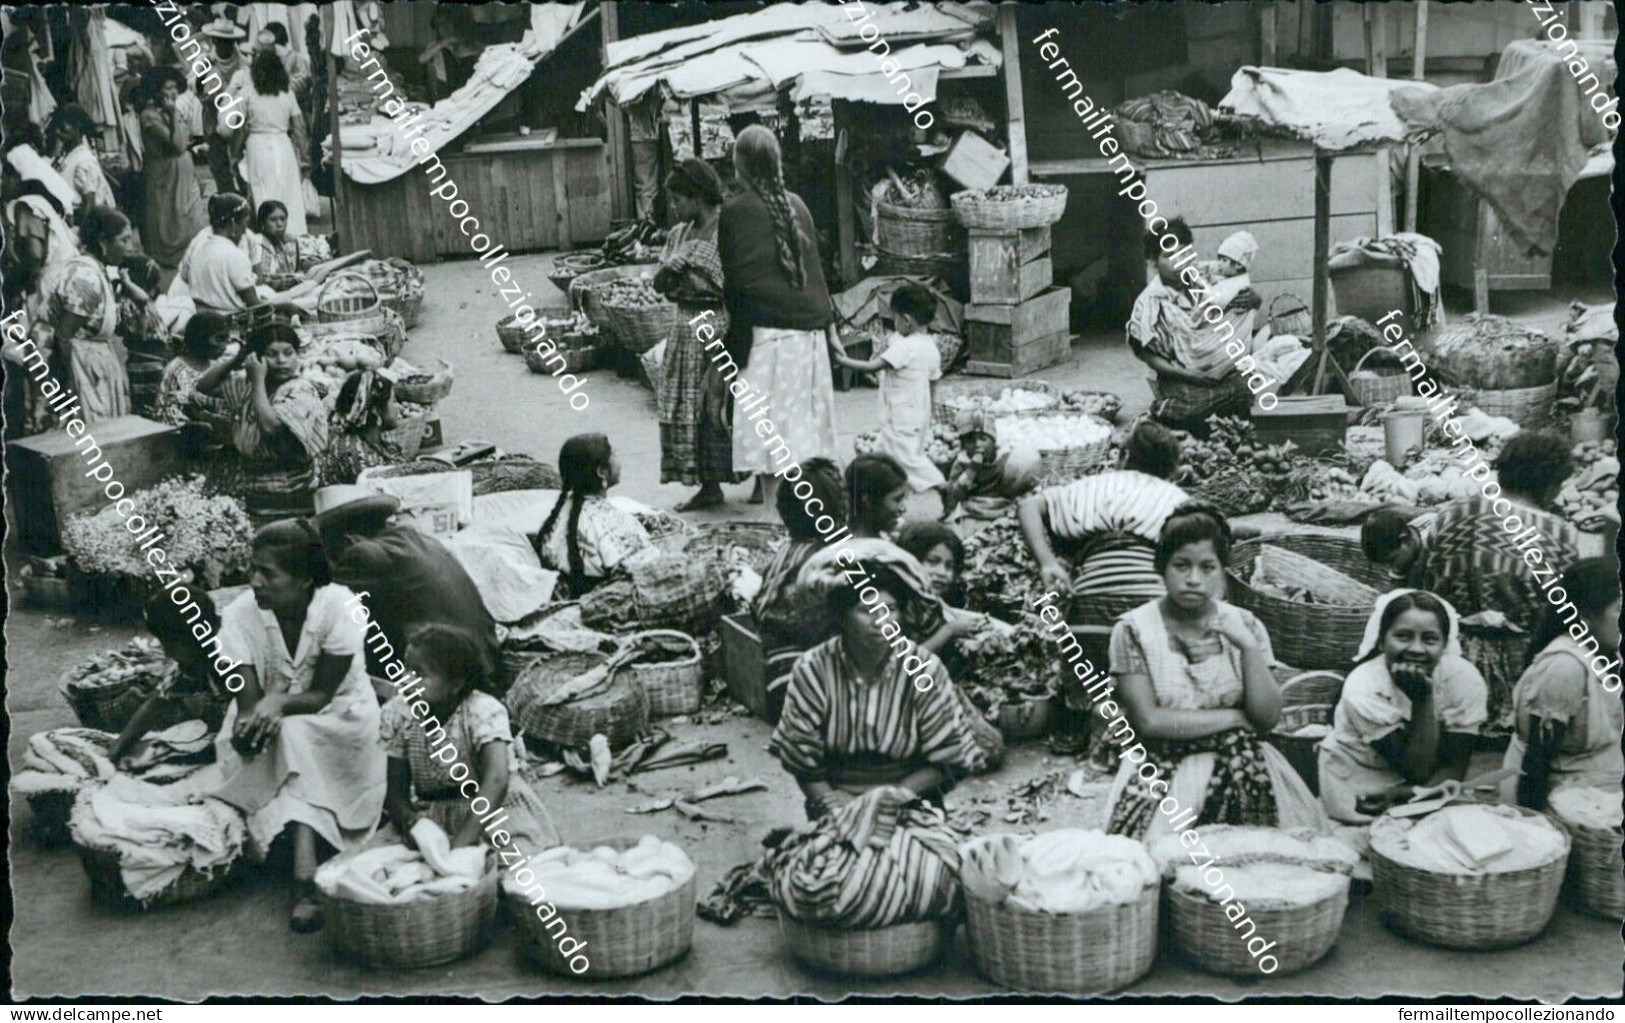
1310	636
1484	911
1100	950
1378	386
1027	718
410	935
917	234
1306	699
983	210
673	687
347	308
621	942
1289	315
571	265
1529	407
107	882
619	713
1203	934
945	411
1063	465
513	335
1596	877
584	291
638	328
105	708
49	813
876	952
715	539
427	393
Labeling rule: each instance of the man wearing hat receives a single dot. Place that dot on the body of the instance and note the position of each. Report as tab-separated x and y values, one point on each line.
404	578
227	61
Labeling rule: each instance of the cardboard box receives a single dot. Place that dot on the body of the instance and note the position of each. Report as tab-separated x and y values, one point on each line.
49	484
974	162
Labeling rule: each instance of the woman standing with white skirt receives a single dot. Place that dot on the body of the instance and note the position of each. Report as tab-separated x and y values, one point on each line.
270	159
781	317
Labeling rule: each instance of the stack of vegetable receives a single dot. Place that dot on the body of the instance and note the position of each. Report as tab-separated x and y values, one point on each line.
1494	353
634	243
1594	486
209	534
1007	663
1000	570
1232	470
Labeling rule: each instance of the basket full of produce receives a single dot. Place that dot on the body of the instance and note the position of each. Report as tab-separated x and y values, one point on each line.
1067	911
1469	876
1104	404
1010	207
1007	668
106	690
1510	369
1313	593
964	404
1292	884
941	445
399	283
638	242
336	358
1068	446
571	265
913	220
586	289
639	316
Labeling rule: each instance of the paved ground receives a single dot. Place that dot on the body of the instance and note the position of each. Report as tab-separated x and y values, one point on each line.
238	942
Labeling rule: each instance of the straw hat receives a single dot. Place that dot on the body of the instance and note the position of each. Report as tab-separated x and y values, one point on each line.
224	28
337	505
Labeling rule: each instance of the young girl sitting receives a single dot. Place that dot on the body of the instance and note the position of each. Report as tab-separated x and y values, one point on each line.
592	541
203	341
440	721
909	369
194	672
942	554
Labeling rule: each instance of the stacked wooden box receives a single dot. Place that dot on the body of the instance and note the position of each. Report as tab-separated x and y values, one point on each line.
1015	323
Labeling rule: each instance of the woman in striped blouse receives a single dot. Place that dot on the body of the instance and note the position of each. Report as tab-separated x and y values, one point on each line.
856	717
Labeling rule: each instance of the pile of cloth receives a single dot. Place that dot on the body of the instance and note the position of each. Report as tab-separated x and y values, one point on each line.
1418	252
609	878
64	759
1279	356
1591	808
157	833
884	858
391	874
1169	124
1265	868
1066	871
1469	839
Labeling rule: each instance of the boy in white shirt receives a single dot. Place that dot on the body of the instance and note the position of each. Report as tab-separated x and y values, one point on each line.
909	369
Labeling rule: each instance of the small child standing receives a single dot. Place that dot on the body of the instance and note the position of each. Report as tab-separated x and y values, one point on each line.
909	369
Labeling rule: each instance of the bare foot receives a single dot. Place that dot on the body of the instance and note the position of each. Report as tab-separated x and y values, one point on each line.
756	493
708	497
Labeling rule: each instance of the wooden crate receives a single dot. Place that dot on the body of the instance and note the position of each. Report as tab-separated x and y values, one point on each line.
994	249
743	665
48	472
1029	358
1316	424
992	331
1010	285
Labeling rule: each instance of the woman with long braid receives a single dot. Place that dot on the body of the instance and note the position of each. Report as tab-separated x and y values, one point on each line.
780	314
585	538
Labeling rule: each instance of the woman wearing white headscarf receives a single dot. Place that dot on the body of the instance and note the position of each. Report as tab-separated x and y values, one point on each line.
1408	712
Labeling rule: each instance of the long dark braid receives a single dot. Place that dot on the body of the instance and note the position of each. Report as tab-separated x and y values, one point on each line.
579	461
756	156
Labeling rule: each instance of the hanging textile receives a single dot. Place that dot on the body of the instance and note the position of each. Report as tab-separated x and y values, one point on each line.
91	61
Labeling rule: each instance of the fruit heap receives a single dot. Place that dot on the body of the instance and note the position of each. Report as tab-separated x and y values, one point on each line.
1231	469
635	293
1594	485
941	445
343	357
1096	403
1011	399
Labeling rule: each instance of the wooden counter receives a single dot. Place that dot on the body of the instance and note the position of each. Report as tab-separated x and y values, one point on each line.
527	194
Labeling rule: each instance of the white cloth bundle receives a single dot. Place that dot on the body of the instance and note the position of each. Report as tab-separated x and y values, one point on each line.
1593	808
62	759
391	874
156	832
1066	871
1233	846
607	878
1263	885
1469	839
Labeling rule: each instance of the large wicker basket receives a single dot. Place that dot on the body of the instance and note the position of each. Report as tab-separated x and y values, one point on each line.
1381	385
1076	953
620	713
347	308
513	334
411	935
877	952
1529	407
584	291
918	234
1309	636
1063	465
1596	878
1289	315
430	391
106	708
1202	932
673	687
568	267
621	942
107	885
960	418
638	328
761	540
1306	699
1467	911
1000	209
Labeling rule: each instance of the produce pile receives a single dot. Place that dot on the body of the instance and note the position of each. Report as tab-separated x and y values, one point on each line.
919	191
138	664
1051	432
634	243
1095	403
1008	663
1240	475
636	293
962	408
1487	352
1000	570
941	446
1003	194
343	357
1594	486
209	534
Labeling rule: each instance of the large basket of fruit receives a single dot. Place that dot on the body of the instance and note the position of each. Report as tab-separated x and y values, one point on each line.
1068	445
962	404
1010	207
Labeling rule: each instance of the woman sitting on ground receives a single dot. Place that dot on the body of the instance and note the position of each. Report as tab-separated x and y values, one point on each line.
1477	564
272	250
280	429
941	554
216	269
1568	722
1170	332
789	615
855	718
450	663
876	489
1409	712
363	413
306	721
1193	676
594	538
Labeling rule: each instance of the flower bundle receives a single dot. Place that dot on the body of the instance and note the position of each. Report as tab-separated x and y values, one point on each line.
209	533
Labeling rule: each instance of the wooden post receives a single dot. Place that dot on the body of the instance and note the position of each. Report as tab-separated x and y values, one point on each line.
1268	20
1015	107
1413	162
620	157
694	126
845	211
1323	231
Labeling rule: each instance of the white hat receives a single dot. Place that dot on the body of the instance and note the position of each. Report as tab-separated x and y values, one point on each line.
224	28
1241	247
338	504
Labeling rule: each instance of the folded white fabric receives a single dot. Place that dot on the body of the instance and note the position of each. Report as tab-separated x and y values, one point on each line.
1593	808
1469	839
607	878
156	831
392	874
1065	871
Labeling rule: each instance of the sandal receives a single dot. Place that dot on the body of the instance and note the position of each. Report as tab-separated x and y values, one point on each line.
307	912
